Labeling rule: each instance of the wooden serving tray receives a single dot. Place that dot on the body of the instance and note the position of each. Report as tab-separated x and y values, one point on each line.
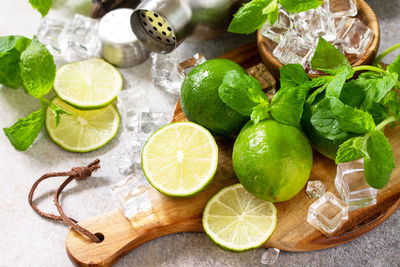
171	215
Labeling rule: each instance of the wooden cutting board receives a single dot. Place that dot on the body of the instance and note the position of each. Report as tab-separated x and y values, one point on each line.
170	215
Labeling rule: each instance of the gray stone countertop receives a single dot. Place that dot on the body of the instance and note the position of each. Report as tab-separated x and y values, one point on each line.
26	239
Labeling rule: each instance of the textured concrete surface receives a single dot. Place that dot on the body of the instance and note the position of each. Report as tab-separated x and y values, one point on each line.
29	240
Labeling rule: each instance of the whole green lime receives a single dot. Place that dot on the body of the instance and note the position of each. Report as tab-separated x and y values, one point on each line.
200	100
272	161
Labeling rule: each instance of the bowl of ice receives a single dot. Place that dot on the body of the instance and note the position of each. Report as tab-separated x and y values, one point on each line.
350	25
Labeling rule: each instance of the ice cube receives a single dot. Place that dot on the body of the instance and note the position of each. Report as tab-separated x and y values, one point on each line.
315	23
132	194
353	35
264	77
165	72
341	8
293	49
125	164
130	103
79	39
327	213
352	187
186	66
146	123
279	29
315	189
270	256
48	34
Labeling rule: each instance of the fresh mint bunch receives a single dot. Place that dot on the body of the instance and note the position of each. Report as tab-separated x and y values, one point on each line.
253	15
27	63
357	110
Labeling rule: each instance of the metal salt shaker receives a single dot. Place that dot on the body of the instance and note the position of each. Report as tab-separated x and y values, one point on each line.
120	46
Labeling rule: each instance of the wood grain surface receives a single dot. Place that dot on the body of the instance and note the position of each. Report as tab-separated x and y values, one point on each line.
171	215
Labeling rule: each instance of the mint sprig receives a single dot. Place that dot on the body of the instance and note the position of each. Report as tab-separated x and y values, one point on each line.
28	64
253	15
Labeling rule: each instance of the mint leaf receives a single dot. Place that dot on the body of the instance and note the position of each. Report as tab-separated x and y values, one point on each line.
324	121
351	119
352	149
260	112
273	12
43	6
57	112
241	92
37	69
18	42
287	105
353	92
380	163
249	17
22	133
392	101
10	52
376	87
334	87
379	112
295	6
292	75
395	66
328	58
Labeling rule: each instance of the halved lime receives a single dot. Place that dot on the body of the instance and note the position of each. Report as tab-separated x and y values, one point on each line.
88	84
236	220
83	130
180	159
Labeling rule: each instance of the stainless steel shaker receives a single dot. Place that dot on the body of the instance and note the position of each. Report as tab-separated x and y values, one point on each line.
162	25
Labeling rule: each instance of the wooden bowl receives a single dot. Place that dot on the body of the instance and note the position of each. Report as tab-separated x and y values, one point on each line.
365	14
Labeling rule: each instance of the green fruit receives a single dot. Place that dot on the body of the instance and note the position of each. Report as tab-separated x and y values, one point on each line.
272	160
237	221
200	100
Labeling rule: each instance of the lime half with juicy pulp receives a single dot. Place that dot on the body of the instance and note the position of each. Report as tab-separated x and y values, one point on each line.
83	130
236	220
88	84
180	159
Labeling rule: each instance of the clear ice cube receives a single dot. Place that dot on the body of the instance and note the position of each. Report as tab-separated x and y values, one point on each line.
165	72
146	123
315	189
186	66
130	103
279	29
315	23
270	256
353	35
327	213
352	187
79	39
133	194
264	77
341	8
48	34
293	49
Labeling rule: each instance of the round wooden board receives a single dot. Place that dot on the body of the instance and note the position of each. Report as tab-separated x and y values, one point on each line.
173	215
293	233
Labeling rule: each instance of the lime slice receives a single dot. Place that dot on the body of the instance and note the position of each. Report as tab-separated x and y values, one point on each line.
180	159
236	220
88	84
83	130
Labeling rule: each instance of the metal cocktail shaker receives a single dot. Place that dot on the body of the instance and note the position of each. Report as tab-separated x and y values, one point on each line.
162	25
